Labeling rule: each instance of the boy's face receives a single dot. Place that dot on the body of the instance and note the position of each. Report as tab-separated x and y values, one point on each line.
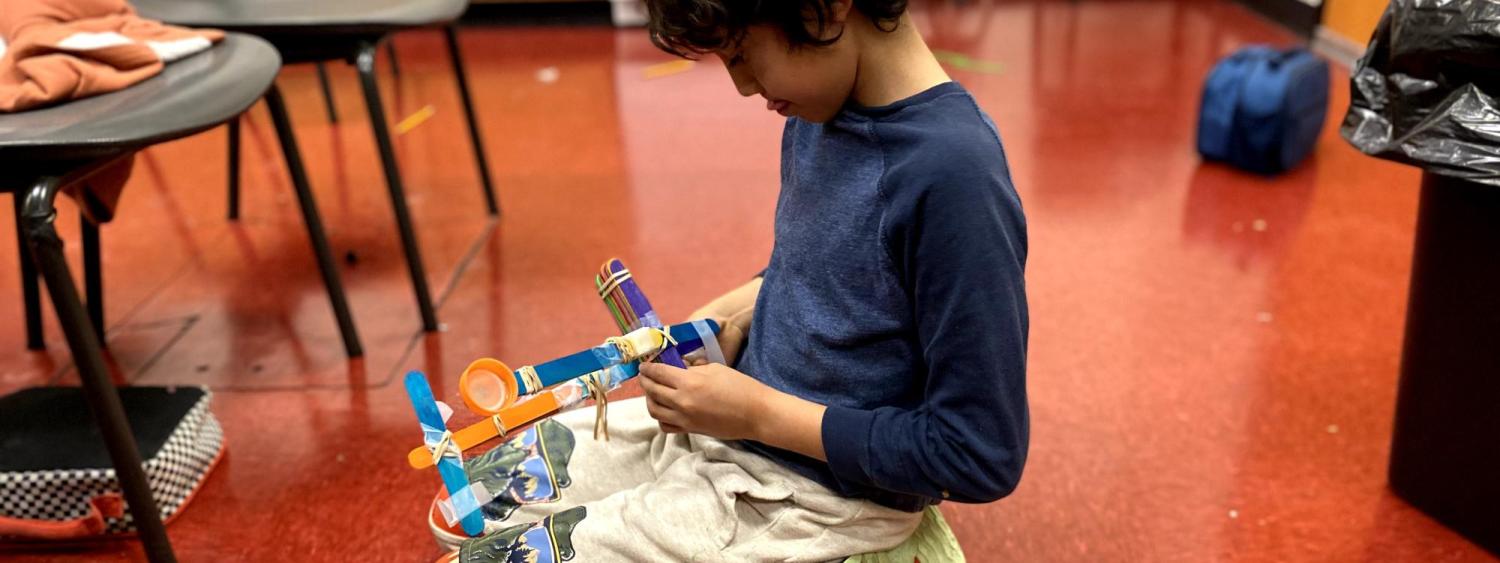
809	82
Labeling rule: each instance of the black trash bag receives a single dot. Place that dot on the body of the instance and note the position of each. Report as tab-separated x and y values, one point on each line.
1425	92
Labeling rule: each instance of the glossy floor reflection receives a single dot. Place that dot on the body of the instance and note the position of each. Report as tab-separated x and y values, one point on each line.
1213	356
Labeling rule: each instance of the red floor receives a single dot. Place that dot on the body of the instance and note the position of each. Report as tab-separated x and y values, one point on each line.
1213	356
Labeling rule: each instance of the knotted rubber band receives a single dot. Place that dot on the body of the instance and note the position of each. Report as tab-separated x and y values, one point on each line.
499	426
667	340
599	390
530	380
601	403
445	446
623	345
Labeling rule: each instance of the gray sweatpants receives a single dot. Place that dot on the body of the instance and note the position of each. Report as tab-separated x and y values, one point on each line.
648	496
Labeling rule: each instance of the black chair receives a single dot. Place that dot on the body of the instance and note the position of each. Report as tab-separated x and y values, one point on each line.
44	121
46	150
328	104
351	30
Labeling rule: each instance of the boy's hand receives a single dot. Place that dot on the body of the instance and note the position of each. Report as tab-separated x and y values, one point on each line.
710	399
719	401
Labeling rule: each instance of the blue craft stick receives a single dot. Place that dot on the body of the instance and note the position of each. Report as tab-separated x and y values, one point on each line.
564	368
452	470
585	362
688	338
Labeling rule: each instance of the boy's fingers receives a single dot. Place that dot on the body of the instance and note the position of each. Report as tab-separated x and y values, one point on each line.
656	393
649	375
664	416
671	429
663	374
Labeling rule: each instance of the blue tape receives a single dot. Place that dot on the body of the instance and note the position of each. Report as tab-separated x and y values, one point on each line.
710	342
607	355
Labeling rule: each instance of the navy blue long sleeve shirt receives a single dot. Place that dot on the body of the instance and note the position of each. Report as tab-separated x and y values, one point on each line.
895	296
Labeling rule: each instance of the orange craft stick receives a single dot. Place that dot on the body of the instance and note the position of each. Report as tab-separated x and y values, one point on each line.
513	417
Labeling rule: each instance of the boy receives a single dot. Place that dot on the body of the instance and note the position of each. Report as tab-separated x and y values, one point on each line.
883	349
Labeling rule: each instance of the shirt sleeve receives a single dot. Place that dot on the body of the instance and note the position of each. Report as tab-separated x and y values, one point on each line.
960	247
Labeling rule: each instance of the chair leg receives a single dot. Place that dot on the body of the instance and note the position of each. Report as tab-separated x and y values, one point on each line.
314	222
333	109
365	64
390	53
104	402
31	293
234	169
463	90
93	277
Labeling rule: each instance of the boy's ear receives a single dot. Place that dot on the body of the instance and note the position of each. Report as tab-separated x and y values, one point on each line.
838	10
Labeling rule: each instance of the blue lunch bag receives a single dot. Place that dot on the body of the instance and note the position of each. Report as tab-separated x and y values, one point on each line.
1263	108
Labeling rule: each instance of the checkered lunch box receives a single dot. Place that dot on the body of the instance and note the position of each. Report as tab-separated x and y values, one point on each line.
56	478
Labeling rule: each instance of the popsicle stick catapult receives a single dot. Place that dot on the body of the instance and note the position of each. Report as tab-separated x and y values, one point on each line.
513	399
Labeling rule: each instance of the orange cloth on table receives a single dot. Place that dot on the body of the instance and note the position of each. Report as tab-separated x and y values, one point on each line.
60	50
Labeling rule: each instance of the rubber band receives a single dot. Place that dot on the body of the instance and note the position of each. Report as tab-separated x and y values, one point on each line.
445	447
613	282
530	381
647	342
666	337
667	342
601	403
627	350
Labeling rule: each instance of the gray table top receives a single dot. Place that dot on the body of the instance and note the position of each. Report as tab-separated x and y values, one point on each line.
291	16
190	95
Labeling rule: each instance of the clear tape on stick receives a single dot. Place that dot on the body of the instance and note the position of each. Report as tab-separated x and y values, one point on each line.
616	377
710	342
569	394
439	441
433	437
610	378
609	355
650	319
575	391
455	508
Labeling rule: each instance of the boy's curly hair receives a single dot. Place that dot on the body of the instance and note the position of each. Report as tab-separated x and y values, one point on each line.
688	28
